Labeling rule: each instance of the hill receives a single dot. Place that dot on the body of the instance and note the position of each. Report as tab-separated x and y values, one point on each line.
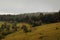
43	32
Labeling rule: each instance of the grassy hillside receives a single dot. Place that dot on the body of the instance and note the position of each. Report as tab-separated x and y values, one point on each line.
44	32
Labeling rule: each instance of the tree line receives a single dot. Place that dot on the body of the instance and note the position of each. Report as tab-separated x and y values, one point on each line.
35	20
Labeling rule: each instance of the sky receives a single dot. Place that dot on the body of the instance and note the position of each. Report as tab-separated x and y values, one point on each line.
28	6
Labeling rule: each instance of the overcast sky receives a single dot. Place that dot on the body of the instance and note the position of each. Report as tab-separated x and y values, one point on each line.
26	6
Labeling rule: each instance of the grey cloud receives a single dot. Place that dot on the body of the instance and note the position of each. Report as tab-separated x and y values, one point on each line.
22	6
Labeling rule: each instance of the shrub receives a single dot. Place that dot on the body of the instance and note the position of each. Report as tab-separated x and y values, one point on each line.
1	37
14	27
57	28
24	28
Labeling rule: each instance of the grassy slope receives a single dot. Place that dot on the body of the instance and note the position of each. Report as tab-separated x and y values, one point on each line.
44	32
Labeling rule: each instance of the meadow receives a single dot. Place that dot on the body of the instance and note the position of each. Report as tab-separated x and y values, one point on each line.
34	26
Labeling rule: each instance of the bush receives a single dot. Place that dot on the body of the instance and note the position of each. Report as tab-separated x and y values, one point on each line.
57	28
1	37
14	27
24	28
5	32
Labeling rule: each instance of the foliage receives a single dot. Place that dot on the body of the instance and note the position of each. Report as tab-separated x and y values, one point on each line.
24	28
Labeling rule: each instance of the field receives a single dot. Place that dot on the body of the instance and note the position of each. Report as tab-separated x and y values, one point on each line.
43	32
32	26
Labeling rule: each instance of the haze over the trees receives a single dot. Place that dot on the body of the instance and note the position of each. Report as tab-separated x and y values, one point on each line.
27	6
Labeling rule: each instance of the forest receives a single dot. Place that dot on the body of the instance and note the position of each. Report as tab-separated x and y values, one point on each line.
35	20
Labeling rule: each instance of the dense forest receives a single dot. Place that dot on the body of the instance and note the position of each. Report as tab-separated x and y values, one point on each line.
37	19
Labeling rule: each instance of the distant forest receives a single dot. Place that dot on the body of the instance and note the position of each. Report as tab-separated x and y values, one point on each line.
35	20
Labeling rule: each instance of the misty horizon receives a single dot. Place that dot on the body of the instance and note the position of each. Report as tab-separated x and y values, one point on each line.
28	6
